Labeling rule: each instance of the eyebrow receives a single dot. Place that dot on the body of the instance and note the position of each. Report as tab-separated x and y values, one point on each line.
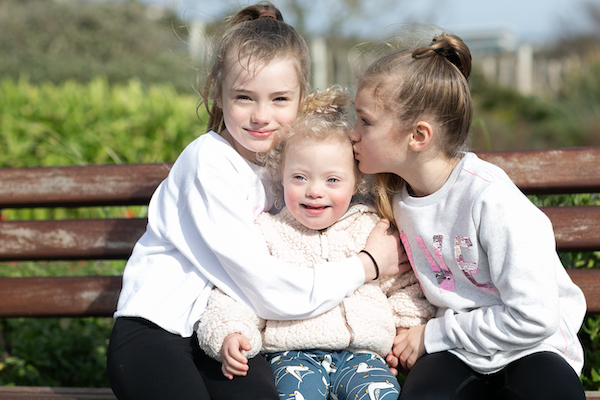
280	93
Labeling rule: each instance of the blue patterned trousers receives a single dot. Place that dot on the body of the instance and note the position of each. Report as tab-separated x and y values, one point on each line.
338	375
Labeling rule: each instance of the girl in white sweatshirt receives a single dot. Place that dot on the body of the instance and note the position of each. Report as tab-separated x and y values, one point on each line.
201	230
507	312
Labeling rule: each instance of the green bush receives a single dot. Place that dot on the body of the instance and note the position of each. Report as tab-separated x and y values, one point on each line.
93	123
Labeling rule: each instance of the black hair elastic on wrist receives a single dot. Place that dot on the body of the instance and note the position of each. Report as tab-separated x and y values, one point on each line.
374	263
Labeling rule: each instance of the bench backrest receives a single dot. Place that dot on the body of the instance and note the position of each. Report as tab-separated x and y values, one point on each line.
549	171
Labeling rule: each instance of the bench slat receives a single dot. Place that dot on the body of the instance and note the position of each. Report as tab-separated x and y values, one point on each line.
74	186
565	170
97	296
43	392
550	171
589	281
576	229
69	239
94	296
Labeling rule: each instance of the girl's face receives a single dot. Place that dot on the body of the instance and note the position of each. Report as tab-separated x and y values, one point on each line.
379	146
318	181
257	101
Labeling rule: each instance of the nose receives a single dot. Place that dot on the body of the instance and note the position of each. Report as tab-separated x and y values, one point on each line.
260	115
314	190
354	137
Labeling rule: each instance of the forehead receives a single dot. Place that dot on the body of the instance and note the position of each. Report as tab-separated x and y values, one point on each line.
331	152
247	68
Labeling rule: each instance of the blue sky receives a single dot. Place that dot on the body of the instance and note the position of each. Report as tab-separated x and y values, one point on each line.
531	20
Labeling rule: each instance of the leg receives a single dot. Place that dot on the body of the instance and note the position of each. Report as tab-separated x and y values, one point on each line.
442	376
363	376
300	374
146	362
541	376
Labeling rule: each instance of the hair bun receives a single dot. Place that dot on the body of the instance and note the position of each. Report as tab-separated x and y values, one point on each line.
453	49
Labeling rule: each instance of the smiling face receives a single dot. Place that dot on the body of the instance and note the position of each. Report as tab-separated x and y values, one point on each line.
319	180
257	101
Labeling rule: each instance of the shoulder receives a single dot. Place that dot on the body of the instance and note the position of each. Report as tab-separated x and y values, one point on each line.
484	180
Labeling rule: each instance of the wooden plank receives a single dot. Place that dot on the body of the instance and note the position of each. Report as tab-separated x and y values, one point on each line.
44	392
69	239
589	281
576	228
75	186
550	171
94	296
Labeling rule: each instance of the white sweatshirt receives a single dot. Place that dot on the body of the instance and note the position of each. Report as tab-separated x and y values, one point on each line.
486	257
201	233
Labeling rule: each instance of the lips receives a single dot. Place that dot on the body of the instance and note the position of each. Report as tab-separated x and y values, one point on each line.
260	134
314	209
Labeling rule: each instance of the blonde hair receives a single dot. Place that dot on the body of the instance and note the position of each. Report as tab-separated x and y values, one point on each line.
429	81
323	117
259	34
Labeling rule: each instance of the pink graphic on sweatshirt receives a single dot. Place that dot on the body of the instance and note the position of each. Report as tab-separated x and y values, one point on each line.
469	268
407	249
442	273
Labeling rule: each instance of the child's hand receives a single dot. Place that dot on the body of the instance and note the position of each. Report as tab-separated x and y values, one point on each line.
409	345
234	362
392	361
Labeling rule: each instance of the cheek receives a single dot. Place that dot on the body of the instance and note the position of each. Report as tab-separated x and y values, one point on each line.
290	196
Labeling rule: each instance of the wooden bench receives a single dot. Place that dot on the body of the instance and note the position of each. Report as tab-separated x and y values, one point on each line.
550	171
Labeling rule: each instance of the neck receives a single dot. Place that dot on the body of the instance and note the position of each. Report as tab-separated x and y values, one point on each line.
429	176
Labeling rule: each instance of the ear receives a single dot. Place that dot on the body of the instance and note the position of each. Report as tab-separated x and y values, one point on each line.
421	136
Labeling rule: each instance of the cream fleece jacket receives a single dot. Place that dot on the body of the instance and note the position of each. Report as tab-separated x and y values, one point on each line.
364	321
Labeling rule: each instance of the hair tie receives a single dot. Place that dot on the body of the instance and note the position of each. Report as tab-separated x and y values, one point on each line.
267	14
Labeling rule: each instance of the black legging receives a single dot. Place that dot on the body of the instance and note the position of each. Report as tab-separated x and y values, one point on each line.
147	362
539	376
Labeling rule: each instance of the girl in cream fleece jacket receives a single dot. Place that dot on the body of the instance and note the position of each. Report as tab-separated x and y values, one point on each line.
319	178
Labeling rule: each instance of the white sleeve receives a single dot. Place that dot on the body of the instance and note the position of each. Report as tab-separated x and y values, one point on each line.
519	242
205	212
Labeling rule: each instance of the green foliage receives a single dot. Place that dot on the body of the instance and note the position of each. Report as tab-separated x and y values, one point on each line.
519	121
93	123
54	41
54	352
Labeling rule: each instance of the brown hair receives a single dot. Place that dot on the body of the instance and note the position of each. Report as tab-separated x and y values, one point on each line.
259	33
429	81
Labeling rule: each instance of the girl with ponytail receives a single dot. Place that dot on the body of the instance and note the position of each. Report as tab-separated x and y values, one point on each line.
507	312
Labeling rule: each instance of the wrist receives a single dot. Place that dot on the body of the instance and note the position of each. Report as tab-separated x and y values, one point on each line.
369	264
